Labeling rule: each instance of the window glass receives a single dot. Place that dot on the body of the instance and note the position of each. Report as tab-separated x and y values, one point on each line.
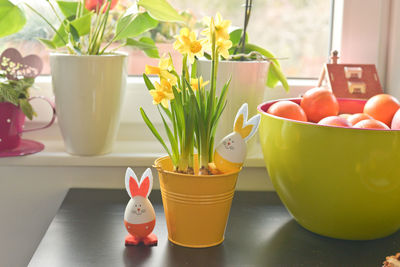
298	31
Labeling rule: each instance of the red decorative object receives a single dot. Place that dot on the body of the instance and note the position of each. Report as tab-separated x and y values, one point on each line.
94	5
139	218
350	80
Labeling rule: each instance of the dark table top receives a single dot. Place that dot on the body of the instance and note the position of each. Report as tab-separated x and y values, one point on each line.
88	230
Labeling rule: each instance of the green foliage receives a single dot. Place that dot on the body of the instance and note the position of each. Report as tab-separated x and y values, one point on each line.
12	19
135	24
161	10
68	9
235	36
154	131
83	32
16	92
193	114
146	44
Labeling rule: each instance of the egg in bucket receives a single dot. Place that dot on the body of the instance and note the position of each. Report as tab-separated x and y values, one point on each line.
335	181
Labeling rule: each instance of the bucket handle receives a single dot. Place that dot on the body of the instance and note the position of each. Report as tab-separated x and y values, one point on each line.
53	118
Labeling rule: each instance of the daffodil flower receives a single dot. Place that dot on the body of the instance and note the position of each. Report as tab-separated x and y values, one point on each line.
162	94
165	86
194	83
223	47
221	27
187	44
163	70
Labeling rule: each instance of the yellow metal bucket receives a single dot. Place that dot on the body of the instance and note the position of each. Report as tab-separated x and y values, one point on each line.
196	207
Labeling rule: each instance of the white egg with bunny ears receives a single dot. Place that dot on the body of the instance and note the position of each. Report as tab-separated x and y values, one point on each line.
231	151
139	217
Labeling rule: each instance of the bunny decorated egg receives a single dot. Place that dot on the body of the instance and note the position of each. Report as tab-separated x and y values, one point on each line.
231	151
139	218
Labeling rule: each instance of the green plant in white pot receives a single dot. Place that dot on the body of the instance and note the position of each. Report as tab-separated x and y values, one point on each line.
89	75
250	67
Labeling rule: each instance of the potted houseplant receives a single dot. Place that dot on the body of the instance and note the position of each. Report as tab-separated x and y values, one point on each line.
89	76
196	195
250	68
17	76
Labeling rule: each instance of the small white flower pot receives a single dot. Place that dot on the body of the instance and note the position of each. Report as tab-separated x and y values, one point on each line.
89	92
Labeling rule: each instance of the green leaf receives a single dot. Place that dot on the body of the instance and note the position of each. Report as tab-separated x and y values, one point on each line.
268	54
275	73
278	74
48	43
272	79
74	33
134	25
235	36
59	37
9	94
146	44
194	70
12	19
148	83
82	24
154	131
26	108
172	140
69	8
161	10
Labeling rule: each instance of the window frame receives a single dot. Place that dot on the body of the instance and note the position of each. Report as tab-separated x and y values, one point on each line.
351	29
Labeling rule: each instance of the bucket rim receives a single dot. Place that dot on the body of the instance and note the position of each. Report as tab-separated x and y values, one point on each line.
161	170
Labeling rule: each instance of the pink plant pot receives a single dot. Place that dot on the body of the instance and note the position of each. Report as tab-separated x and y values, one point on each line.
12	121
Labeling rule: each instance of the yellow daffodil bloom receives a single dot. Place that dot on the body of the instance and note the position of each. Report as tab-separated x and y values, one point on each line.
187	43
220	27
194	83
163	70
165	86
162	94
223	47
160	97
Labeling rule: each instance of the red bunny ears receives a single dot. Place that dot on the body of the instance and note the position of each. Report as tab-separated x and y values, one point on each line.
136	188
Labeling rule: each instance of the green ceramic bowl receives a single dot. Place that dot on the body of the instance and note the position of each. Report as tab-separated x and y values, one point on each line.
337	182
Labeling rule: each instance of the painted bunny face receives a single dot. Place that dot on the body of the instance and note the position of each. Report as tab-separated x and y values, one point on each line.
139	209
228	143
232	147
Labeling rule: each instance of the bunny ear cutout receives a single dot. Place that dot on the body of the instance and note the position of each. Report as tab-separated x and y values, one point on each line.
254	122
240	118
245	131
146	183
245	128
135	188
131	182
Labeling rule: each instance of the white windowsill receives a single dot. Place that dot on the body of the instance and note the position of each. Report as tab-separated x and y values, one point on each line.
134	145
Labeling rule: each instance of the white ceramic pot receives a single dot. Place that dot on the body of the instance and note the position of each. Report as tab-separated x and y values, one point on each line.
247	85
89	92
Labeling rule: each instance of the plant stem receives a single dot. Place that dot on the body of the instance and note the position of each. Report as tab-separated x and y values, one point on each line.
115	36
51	26
54	11
242	42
